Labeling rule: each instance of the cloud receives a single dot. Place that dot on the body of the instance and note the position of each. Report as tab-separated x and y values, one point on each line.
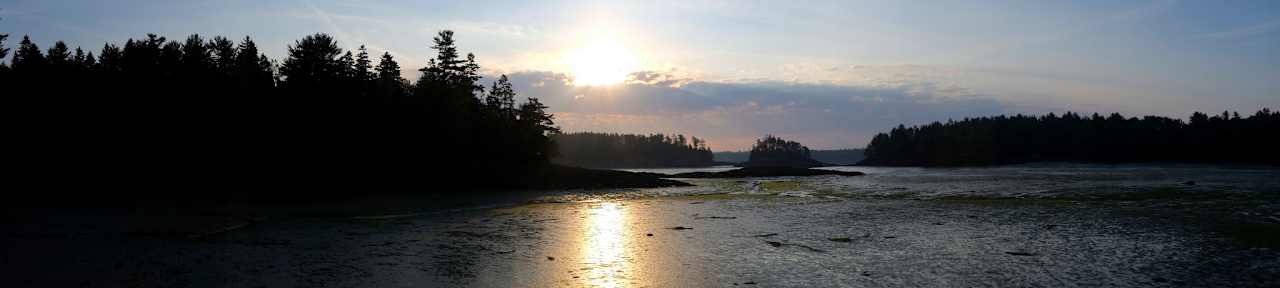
493	28
1243	31
655	78
731	114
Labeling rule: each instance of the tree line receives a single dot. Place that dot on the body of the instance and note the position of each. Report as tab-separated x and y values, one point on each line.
774	151
1225	138
216	113
609	150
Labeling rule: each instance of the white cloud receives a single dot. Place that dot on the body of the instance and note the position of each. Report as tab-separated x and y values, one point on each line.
1243	31
730	114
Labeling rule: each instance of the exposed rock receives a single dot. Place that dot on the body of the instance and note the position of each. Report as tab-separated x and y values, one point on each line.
765	172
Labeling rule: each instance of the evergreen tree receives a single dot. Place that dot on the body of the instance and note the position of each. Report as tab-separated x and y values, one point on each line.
362	66
253	69
224	56
604	150
501	98
197	58
193	105
28	57
111	59
388	69
534	115
169	60
390	86
1226	137
774	151
59	56
311	62
4	52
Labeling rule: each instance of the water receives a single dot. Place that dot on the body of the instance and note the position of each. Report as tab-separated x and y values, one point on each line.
1023	226
1035	180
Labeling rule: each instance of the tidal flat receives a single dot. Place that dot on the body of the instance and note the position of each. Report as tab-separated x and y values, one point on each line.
1030	226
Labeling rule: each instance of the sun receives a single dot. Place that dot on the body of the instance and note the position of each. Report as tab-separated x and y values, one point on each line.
600	63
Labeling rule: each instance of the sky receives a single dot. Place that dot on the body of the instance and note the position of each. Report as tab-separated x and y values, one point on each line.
829	74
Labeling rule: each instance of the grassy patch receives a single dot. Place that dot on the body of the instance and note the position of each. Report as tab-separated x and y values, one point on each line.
780	186
715	197
1156	193
983	200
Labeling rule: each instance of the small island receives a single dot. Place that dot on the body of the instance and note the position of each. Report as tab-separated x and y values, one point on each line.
775	171
772	151
772	156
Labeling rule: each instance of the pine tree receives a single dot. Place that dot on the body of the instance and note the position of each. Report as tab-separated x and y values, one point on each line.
501	97
448	70
78	60
363	64
28	57
388	69
59	56
534	114
390	86
111	59
170	59
253	69
224	56
347	67
312	62
4	52
197	58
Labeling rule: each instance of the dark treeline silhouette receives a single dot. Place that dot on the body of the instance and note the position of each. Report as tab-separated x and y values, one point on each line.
838	156
774	151
217	114
607	150
1225	138
834	156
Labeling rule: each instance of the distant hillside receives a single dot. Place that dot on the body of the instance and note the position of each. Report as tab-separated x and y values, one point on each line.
731	156
606	150
839	156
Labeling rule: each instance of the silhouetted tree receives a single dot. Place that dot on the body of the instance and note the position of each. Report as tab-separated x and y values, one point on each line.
28	58
388	69
605	150
59	57
1071	137
362	66
774	151
4	52
207	114
254	70
224	57
110	61
390	86
311	63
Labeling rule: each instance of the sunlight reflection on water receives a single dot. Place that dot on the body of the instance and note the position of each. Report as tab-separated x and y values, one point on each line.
605	251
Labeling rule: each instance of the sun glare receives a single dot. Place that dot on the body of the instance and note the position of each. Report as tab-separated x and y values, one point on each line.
602	62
